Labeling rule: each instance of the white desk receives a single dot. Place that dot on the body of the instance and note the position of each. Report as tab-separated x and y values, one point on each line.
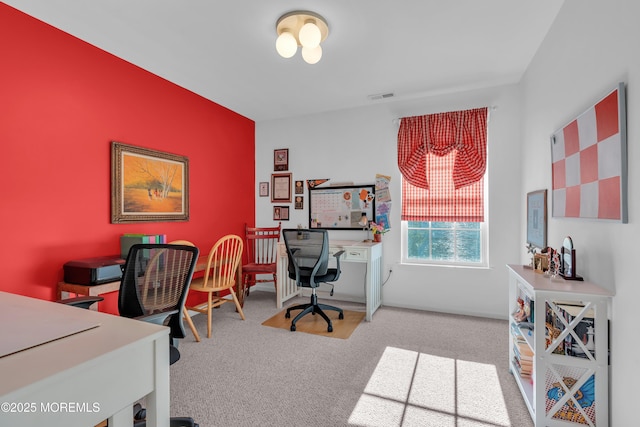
85	378
369	253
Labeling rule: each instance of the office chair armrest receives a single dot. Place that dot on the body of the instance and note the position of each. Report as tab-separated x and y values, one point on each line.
80	302
157	318
337	255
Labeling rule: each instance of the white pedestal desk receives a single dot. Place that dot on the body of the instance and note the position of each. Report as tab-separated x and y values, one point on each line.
83	378
369	253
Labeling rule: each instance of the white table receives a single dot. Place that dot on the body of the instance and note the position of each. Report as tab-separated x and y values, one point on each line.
369	253
84	378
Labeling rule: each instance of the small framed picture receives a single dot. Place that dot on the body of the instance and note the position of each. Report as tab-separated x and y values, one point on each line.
299	202
537	218
281	213
299	187
540	263
281	159
264	189
281	188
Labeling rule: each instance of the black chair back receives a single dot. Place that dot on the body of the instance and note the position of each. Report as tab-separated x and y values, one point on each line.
308	253
155	283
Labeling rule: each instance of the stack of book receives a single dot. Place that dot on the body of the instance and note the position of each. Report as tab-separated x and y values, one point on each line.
522	353
128	240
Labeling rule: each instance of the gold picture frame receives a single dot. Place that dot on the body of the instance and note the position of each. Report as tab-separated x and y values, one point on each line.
148	185
540	263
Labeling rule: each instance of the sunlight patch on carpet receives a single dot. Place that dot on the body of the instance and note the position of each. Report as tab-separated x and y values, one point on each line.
408	388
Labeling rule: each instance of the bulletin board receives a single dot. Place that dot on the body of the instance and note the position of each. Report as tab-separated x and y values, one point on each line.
589	162
341	208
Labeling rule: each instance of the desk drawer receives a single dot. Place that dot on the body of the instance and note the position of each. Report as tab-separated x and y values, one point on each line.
355	254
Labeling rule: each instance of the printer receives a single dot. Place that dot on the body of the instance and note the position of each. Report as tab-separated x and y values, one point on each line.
94	271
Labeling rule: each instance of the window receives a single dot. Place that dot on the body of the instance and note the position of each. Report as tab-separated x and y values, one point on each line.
442	158
456	243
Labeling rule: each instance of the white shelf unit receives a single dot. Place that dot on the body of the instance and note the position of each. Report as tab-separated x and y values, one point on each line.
569	385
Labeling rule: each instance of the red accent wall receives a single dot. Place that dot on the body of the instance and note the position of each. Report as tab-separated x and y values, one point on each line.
62	102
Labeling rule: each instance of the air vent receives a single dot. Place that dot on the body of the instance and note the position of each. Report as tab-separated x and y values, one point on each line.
379	96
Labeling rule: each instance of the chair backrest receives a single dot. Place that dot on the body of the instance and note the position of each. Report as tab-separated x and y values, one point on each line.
156	279
261	244
308	253
223	261
181	242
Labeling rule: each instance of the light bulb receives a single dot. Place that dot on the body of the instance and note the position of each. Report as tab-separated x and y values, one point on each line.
286	44
311	56
310	35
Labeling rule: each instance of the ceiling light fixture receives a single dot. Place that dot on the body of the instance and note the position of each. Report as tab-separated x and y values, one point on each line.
301	28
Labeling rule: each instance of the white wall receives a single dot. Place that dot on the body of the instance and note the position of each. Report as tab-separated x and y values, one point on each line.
354	145
591	46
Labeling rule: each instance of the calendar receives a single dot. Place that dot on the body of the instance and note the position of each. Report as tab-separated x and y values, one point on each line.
341	208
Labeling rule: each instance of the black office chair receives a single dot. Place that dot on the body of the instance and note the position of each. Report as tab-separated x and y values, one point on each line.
154	286
308	252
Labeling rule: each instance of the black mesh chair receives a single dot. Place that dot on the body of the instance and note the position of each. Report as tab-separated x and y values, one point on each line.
308	252
154	287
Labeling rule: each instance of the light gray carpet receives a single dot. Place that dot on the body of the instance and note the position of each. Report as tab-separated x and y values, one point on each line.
405	368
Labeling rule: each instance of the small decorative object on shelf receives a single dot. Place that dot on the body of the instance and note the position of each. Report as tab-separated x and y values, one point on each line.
520	315
540	263
531	249
568	260
553	262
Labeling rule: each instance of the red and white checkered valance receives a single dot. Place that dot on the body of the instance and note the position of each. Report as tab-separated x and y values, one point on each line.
442	158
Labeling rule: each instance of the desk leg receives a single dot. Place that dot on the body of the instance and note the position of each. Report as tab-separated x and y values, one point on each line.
121	418
158	400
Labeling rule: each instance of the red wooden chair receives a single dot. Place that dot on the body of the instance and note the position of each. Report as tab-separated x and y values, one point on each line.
261	255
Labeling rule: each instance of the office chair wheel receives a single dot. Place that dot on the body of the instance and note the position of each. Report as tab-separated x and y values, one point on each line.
139	413
330	328
287	315
340	316
293	328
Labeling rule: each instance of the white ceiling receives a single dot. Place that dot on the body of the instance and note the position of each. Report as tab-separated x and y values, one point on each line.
225	50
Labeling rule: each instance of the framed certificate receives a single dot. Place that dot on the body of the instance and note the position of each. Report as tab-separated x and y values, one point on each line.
281	187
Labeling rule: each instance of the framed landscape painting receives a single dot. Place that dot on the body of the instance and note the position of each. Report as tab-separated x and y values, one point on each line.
148	185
